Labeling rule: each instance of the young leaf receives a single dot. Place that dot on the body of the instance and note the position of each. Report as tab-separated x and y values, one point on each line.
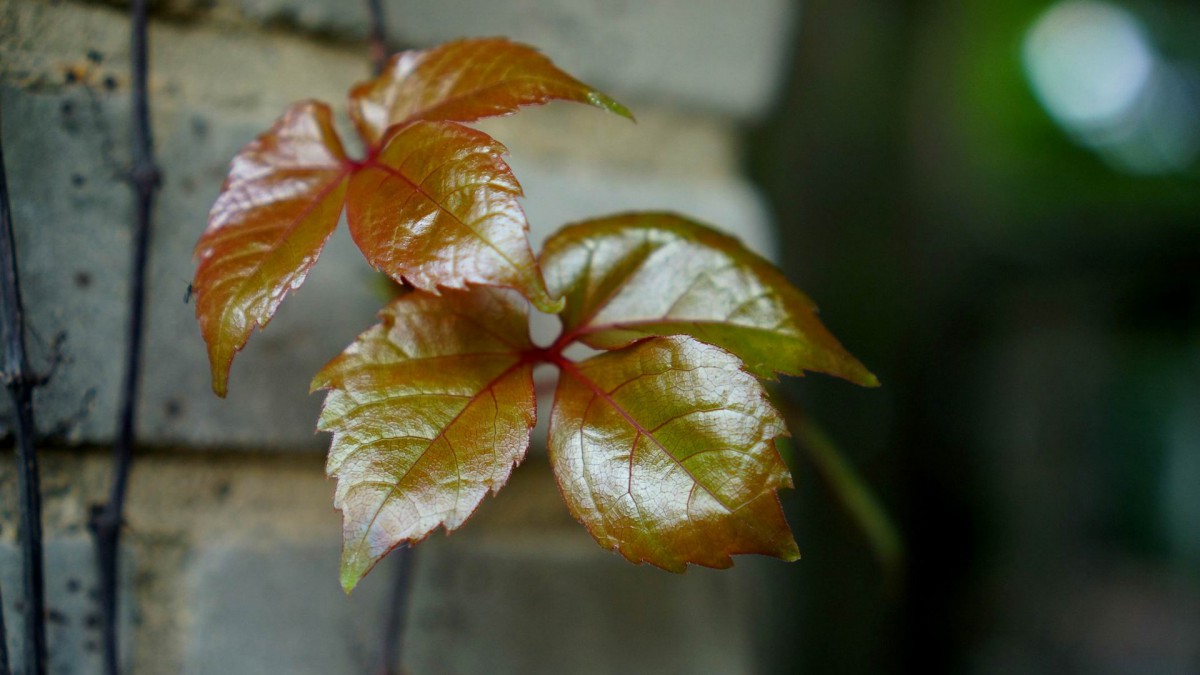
438	208
665	452
630	276
277	208
429	410
464	81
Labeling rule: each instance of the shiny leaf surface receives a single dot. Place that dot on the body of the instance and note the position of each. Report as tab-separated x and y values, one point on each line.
438	208
631	276
665	452
429	410
464	81
278	206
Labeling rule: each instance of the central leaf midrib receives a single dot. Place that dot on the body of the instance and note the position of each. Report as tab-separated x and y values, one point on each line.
396	486
325	192
578	374
649	323
421	190
425	114
644	250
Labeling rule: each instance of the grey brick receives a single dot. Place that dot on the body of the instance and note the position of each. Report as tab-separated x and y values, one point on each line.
554	605
544	603
278	608
73	625
725	56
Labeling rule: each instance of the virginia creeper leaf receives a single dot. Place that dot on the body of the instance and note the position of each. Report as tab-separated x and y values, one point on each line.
665	452
429	410
438	208
464	81
629	276
277	208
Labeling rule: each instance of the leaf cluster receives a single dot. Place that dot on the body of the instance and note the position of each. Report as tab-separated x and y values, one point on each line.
663	444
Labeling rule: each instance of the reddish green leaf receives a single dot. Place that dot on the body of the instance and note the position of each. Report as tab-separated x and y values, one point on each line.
438	208
630	276
665	452
277	208
464	81
429	411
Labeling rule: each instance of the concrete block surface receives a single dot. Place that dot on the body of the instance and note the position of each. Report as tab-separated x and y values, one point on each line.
722	56
72	607
525	604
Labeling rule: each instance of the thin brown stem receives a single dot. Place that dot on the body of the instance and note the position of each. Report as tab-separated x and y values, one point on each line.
4	667
377	36
20	381
396	616
144	175
851	490
390	653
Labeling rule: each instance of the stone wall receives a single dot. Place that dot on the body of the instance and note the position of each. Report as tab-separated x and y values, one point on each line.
232	547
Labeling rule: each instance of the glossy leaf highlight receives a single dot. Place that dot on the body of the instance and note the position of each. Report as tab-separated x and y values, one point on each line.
277	208
438	208
665	452
429	410
464	81
630	276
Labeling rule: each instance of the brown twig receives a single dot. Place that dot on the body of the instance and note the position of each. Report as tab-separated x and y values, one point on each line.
390	655
851	491
144	175
377	36
395	618
20	381
4	667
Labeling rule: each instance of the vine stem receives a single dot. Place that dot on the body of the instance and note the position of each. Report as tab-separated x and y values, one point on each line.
4	667
396	615
390	651
852	491
145	177
377	36
20	381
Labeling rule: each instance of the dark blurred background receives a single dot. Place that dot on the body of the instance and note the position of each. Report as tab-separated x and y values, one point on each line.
997	206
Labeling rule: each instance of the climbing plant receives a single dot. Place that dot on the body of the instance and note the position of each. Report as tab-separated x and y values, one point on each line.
661	437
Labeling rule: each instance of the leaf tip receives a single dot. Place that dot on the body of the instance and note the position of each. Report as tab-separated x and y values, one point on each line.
857	373
791	552
320	381
355	565
844	365
220	377
601	101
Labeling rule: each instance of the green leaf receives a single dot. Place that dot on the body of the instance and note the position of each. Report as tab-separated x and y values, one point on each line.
630	276
275	212
464	81
429	410
665	452
438	208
